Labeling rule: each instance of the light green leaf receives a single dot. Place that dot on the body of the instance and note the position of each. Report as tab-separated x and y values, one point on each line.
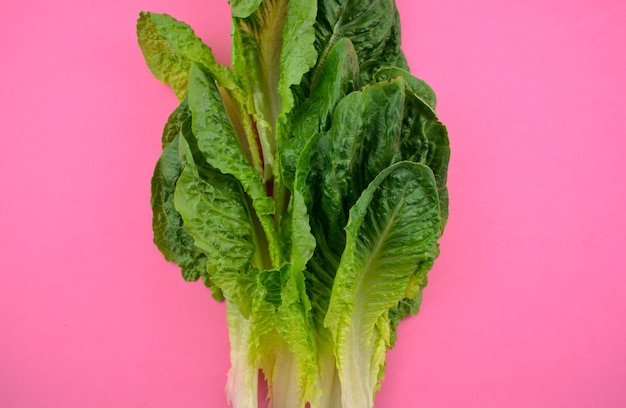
220	147
391	235
170	47
217	139
294	320
272	49
213	206
214	212
243	8
275	350
298	53
257	46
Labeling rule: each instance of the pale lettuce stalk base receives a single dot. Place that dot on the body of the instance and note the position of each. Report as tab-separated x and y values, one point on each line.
242	387
305	185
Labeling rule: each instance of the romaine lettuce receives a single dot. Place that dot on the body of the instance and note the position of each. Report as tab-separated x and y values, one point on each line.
306	185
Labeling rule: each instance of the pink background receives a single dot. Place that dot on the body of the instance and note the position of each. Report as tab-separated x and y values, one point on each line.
526	306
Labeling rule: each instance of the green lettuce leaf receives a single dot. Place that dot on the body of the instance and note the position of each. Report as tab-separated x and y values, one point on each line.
408	306
221	148
170	47
272	50
363	140
175	122
214	212
373	26
298	54
294	319
425	140
174	242
339	77
169	235
420	88
243	8
391	236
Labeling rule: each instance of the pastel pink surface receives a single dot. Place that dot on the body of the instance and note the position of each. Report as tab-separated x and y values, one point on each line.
525	306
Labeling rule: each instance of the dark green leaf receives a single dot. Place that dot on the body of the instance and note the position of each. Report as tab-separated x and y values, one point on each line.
175	122
176	244
408	306
416	85
372	25
339	77
425	140
363	140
